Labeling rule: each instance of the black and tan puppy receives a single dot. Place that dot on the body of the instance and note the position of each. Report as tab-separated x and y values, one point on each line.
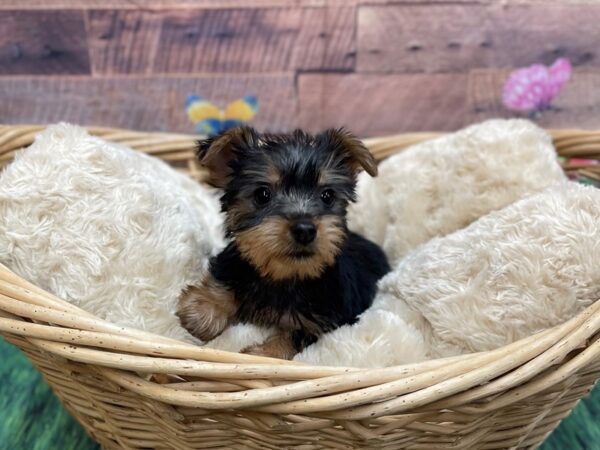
291	262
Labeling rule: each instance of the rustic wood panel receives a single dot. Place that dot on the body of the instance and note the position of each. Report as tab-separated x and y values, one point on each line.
257	40
287	42
123	41
170	4
578	105
43	42
143	103
180	4
457	38
382	104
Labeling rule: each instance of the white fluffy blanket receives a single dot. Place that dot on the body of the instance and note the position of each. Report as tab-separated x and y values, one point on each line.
442	185
510	274
120	234
116	232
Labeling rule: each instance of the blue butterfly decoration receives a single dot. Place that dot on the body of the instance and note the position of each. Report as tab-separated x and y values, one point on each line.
210	119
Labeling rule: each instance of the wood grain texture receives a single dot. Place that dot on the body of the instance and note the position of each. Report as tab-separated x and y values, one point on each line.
577	106
257	40
122	41
458	37
140	103
159	5
381	104
43	42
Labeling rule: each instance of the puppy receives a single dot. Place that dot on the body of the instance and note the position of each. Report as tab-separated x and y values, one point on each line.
291	263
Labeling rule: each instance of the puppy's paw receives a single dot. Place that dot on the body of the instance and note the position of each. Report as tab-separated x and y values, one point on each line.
256	349
206	310
277	346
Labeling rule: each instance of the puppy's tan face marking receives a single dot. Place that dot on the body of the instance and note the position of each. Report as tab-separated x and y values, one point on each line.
206	310
270	249
273	175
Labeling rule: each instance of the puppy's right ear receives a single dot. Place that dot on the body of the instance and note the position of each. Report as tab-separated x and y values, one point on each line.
218	153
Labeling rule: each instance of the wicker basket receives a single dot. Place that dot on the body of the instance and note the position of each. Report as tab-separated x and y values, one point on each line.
132	389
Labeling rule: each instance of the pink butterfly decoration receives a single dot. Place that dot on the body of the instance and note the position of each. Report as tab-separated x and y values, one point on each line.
533	88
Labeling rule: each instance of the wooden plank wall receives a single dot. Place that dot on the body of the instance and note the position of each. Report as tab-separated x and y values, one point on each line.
375	66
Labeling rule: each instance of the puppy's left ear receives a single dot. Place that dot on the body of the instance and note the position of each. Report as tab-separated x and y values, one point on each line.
219	152
352	149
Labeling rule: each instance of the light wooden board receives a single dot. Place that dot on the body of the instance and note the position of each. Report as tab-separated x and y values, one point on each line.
144	103
577	106
382	104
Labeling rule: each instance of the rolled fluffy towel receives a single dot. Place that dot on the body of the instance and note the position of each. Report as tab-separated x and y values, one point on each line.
510	274
114	231
442	185
382	337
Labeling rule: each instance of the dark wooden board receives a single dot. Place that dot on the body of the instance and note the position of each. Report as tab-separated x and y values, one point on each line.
143	103
43	42
159	5
382	104
123	41
257	40
459	37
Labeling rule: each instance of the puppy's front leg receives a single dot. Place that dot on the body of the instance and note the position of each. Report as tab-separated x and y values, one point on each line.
283	345
206	310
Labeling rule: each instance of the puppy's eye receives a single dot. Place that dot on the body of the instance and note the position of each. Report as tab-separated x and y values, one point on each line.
328	196
262	196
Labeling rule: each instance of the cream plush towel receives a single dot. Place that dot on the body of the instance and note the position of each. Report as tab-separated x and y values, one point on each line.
510	274
116	232
439	186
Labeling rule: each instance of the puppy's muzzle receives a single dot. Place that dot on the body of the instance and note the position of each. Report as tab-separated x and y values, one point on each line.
303	232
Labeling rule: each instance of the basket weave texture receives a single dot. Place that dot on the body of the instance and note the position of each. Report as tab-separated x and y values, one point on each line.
135	390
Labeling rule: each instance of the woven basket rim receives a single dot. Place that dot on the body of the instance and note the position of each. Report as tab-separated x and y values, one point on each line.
341	393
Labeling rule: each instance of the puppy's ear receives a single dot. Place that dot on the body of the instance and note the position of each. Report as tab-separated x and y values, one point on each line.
352	150
217	153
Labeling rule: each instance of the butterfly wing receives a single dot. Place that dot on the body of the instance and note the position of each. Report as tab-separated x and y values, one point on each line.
210	127
199	109
533	88
207	118
560	72
525	89
241	110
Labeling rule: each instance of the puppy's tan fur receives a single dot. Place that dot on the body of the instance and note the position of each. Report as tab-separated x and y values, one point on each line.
206	310
266	246
279	345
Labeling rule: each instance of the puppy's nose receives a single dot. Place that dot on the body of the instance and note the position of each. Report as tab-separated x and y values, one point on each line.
304	232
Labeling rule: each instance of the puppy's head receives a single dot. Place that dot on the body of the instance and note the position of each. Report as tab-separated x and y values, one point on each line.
285	196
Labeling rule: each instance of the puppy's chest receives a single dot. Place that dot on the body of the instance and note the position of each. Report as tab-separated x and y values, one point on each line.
316	305
291	305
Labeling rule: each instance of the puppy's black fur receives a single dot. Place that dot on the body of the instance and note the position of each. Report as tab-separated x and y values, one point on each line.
315	305
291	262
